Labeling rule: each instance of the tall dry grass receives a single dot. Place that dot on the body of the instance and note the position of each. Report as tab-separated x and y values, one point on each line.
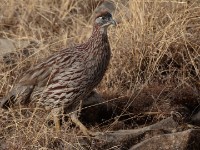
154	42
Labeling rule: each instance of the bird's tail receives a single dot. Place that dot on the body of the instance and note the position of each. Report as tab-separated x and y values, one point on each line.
19	95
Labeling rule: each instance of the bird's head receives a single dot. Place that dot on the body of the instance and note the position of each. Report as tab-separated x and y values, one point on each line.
103	20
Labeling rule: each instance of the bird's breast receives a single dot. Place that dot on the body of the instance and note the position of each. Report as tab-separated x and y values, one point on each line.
97	65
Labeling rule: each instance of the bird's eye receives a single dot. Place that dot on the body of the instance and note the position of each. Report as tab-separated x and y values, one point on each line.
103	18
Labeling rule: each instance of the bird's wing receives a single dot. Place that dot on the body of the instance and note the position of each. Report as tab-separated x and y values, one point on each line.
42	73
37	76
40	76
22	91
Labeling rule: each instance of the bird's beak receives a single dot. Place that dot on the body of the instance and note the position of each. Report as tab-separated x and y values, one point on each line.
111	21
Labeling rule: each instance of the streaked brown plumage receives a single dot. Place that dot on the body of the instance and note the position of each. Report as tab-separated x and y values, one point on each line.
68	76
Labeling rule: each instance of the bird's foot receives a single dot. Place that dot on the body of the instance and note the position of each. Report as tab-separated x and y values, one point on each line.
83	129
53	120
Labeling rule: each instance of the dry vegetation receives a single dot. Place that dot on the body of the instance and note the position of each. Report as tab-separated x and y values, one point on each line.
155	49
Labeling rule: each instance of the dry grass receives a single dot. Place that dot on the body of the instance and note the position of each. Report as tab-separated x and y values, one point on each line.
154	42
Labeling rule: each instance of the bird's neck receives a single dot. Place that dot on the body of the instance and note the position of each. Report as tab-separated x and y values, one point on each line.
99	37
98	55
99	30
99	40
99	46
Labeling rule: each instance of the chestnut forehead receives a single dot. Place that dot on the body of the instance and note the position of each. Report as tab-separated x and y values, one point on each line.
105	14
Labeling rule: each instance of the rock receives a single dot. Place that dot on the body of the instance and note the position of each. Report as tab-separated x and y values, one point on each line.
12	51
188	139
162	135
124	139
95	110
167	124
6	46
196	119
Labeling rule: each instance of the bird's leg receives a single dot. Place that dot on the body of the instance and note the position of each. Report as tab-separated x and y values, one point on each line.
55	113
75	120
74	117
79	108
57	123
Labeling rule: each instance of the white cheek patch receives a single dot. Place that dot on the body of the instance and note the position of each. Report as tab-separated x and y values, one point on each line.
98	20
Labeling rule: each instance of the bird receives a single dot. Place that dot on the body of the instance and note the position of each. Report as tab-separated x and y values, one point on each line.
64	79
